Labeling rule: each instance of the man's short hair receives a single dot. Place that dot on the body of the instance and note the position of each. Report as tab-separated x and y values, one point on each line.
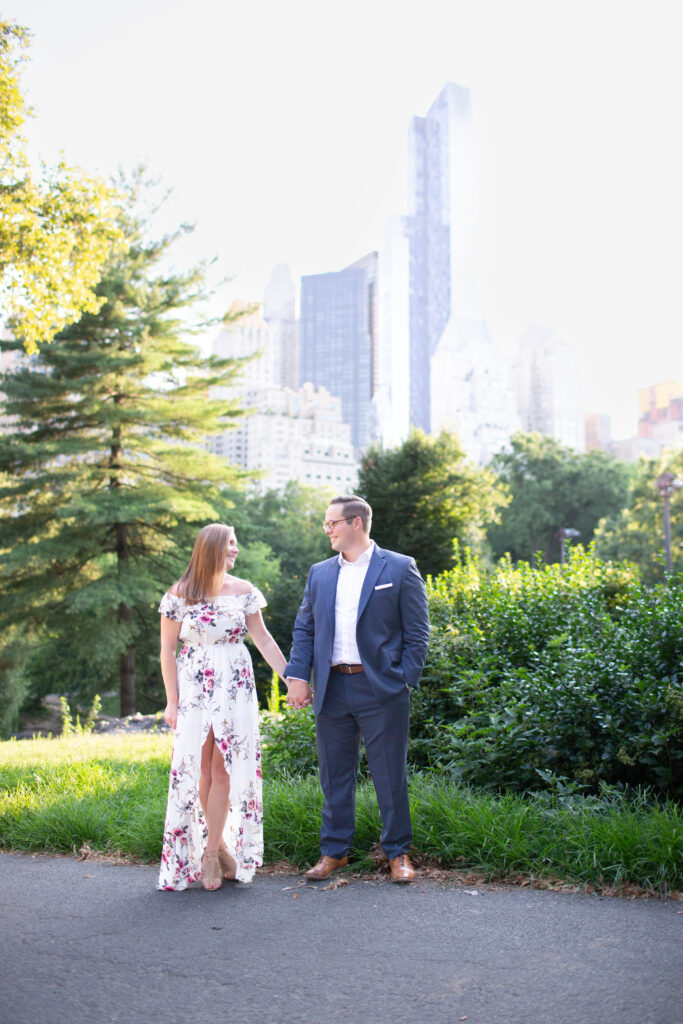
354	506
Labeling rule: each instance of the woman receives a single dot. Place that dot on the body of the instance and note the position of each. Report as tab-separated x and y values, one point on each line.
214	815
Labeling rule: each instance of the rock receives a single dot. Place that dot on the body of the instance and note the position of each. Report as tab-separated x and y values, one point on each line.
131	723
50	724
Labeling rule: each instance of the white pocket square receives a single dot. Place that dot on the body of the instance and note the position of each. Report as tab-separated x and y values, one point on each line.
381	586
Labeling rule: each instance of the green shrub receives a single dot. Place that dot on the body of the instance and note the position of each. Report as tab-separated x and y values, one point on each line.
288	742
71	724
546	672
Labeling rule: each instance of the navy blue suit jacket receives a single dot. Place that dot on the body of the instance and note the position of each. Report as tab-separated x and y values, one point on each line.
392	629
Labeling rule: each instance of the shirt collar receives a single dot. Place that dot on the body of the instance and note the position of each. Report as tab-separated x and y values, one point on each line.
362	559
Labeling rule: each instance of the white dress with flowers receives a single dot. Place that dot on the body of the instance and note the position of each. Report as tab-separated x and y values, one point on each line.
215	688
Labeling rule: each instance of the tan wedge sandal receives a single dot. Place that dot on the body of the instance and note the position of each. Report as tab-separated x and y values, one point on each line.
211	872
227	862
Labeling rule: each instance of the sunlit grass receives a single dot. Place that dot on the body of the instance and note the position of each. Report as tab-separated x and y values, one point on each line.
86	747
106	791
109	792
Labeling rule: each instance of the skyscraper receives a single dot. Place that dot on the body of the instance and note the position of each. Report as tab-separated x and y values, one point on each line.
248	335
458	377
391	400
287	433
337	339
598	431
660	410
441	235
280	314
550	398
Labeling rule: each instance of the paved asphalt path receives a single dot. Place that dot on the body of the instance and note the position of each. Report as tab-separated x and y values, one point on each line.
83	942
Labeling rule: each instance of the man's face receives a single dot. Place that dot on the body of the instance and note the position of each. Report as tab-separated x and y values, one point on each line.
342	533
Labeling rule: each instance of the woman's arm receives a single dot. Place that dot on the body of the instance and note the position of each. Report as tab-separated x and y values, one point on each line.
266	644
299	693
170	632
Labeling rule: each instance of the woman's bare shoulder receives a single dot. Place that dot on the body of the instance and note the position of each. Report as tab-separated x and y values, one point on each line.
174	590
234	585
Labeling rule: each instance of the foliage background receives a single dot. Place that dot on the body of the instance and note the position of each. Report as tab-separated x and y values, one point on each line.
552	487
559	678
425	495
634	532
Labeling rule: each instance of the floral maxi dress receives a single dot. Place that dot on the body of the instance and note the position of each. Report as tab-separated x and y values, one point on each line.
215	688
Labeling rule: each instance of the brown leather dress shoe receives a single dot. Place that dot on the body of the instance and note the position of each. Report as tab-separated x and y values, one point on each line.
401	869
325	866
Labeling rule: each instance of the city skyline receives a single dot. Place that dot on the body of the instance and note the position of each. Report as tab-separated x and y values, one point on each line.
280	155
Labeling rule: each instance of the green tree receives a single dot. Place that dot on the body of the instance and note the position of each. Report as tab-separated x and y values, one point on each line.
425	495
57	226
636	533
552	488
103	478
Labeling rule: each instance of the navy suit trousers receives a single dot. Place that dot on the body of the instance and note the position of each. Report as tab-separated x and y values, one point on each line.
350	712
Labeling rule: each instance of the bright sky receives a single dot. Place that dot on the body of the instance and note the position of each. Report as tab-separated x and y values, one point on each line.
281	127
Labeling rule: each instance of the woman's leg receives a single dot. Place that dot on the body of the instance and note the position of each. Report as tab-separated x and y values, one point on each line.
205	771
214	792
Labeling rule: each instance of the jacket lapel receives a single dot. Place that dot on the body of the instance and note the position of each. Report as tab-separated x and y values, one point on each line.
331	590
377	563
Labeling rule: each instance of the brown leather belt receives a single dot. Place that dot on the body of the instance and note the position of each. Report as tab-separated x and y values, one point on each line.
347	670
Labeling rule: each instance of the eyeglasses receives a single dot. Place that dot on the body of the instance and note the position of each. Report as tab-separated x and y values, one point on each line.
331	523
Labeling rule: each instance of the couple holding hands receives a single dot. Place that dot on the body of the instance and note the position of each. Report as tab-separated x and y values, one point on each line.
362	630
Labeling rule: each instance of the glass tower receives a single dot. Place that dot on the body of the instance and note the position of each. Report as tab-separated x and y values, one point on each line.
336	339
440	234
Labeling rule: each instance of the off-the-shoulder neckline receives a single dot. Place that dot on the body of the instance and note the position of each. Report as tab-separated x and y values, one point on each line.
218	597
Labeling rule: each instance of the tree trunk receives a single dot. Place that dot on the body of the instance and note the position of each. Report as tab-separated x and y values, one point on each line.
125	615
128	706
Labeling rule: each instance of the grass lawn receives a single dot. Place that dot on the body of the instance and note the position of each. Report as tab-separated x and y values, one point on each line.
109	792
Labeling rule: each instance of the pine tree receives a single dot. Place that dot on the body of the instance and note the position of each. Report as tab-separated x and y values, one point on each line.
103	472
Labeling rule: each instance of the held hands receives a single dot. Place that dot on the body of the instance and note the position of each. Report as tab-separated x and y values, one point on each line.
299	693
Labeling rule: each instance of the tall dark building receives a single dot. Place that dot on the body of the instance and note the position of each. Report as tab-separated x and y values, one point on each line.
432	334
441	236
279	314
337	339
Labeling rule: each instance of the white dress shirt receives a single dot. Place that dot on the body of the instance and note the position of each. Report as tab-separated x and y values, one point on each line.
349	586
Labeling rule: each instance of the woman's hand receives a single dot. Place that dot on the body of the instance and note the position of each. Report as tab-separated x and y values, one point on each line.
171	714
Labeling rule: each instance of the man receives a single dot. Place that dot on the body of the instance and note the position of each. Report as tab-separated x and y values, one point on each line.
363	626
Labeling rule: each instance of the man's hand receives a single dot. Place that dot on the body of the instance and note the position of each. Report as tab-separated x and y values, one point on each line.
299	693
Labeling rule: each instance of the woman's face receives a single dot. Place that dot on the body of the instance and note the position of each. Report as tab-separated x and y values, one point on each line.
232	553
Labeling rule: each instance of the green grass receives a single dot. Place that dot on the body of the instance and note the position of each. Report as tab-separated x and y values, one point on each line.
110	792
107	791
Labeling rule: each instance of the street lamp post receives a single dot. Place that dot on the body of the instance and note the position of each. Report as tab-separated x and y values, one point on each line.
667	485
566	534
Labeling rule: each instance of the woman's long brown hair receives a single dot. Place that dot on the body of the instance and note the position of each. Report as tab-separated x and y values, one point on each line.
204	575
